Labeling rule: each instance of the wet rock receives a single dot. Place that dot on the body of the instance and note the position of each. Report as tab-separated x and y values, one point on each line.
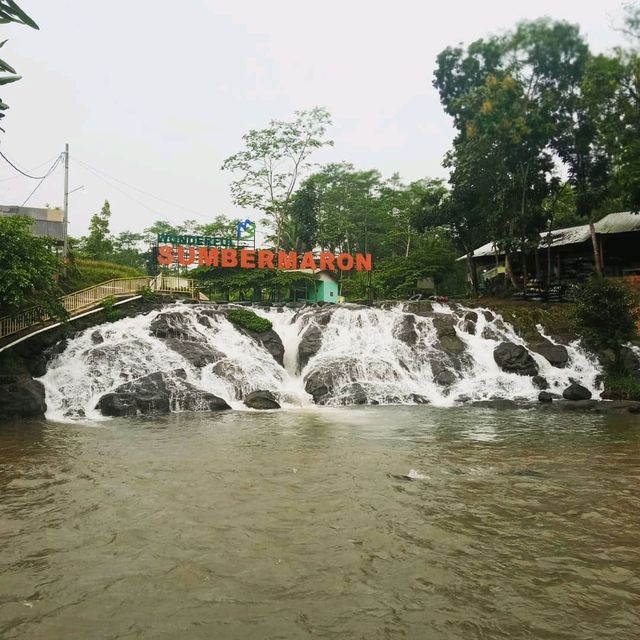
319	383
556	354
576	392
540	382
514	358
488	315
471	316
405	330
469	327
353	393
261	399
171	324
448	340
199	354
270	340
233	373
309	345
21	397
158	393
441	375
489	333
545	396
419	399
96	337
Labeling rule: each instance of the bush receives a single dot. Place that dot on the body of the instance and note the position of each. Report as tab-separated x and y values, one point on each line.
605	315
247	319
621	387
148	295
110	313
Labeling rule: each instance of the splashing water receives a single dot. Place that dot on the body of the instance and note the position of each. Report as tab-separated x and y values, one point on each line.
392	356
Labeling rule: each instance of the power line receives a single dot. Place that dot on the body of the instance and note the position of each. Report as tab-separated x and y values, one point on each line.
21	171
147	193
53	168
113	186
42	164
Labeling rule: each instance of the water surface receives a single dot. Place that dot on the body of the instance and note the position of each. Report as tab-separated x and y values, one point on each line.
245	525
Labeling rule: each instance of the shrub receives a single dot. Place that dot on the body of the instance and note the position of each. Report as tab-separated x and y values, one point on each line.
247	319
148	295
621	387
110	313
605	315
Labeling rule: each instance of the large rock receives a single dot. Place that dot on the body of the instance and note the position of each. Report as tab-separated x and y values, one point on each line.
21	397
261	400
270	340
171	324
158	393
545	396
319	383
576	392
514	358
234	374
353	393
199	354
405	330
309	345
540	382
556	354
448	341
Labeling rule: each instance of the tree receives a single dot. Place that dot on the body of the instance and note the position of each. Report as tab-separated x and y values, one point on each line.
98	244
606	316
11	12
273	161
29	269
513	100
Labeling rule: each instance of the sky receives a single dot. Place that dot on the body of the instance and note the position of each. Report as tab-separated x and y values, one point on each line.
153	95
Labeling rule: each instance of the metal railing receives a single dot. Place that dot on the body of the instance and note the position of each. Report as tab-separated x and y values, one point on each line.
92	296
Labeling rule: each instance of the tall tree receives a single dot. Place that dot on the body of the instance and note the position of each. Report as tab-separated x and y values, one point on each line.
98	244
272	163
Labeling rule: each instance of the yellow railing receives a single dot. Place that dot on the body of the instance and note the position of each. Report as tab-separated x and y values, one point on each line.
92	296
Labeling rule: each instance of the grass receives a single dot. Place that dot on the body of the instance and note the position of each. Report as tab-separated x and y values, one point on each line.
247	319
82	274
621	387
556	319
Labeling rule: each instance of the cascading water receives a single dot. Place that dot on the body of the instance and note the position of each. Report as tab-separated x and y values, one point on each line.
352	355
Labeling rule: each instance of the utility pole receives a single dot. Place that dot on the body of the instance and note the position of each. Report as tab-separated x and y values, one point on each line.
65	222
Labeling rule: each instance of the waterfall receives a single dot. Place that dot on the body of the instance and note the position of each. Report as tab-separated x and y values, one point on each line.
353	354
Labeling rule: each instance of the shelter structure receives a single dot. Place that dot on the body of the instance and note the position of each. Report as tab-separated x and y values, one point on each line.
566	255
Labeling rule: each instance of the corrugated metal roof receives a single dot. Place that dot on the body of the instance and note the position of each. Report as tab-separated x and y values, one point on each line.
621	222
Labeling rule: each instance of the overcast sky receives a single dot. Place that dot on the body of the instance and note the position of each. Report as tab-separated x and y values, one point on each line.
156	94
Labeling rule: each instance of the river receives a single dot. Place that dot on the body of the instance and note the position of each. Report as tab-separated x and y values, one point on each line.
302	524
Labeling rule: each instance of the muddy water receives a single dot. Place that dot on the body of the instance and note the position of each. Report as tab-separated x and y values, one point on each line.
286	525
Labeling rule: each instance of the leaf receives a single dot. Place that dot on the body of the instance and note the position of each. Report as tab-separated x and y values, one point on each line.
9	79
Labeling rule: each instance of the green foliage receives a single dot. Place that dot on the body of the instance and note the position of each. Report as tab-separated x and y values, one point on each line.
29	269
81	274
98	244
11	12
606	315
148	295
621	386
111	314
272	162
247	319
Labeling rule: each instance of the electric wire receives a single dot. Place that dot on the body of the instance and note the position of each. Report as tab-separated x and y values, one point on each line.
113	186
23	172
53	168
42	164
147	193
